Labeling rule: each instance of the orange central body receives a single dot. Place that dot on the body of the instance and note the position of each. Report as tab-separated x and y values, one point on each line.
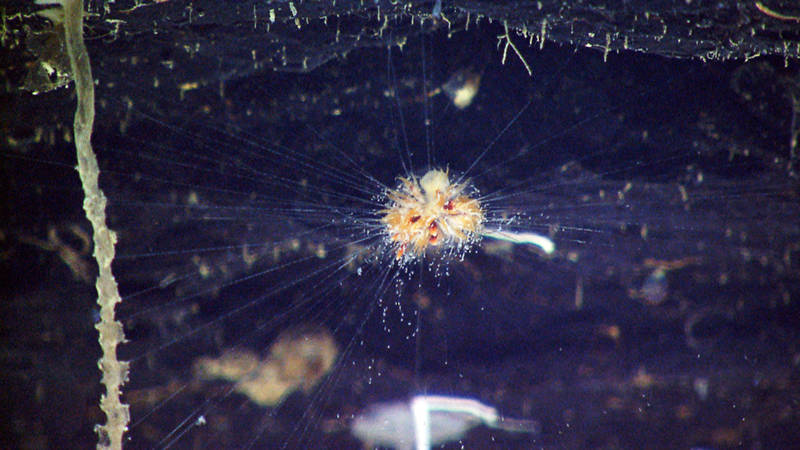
431	212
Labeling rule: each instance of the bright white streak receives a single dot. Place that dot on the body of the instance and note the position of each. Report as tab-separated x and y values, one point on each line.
544	243
423	405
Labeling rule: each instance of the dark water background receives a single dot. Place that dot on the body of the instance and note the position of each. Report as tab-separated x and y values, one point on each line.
583	342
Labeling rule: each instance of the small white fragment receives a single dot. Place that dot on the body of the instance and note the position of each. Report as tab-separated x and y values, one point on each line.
655	288
701	386
544	243
462	87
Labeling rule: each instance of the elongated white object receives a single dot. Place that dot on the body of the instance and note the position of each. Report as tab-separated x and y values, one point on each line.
543	242
429	420
423	405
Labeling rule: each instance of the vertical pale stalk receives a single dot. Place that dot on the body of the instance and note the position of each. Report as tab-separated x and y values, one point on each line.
111	333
